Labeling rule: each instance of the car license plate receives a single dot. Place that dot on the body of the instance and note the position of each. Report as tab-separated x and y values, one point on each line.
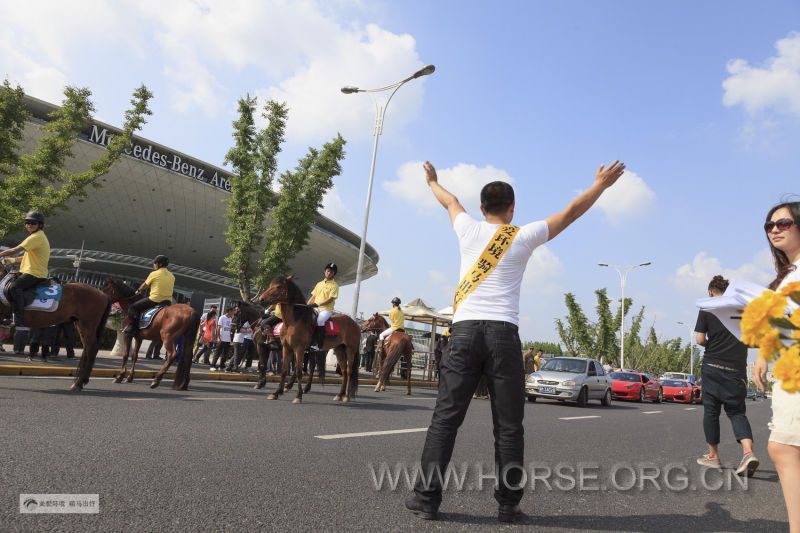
547	390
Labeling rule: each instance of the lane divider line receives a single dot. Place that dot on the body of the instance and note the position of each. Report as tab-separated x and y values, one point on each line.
690	408
370	433
651	412
579	417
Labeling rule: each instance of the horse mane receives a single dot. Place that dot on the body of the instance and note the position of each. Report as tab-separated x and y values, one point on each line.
122	288
295	296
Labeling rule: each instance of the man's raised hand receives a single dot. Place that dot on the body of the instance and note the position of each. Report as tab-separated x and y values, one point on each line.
608	176
430	173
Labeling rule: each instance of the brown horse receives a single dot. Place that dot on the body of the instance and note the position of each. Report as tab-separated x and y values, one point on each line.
168	326
264	342
396	346
87	307
299	324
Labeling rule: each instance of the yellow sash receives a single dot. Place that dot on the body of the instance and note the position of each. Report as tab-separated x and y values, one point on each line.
497	247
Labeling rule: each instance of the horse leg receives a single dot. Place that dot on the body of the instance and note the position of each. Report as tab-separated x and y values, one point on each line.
284	371
312	365
91	344
341	358
123	370
298	374
134	357
169	347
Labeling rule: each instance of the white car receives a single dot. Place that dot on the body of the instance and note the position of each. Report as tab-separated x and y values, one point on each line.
570	379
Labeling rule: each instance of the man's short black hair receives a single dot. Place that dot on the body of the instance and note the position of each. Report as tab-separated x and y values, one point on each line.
497	197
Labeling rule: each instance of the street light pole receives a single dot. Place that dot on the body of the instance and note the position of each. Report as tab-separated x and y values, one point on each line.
623	272
380	112
691	347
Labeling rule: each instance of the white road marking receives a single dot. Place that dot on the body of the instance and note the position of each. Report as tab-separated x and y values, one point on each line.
407	398
651	412
370	433
579	417
221	399
690	408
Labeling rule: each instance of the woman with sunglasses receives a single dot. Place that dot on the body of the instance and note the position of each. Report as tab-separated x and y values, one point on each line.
783	233
34	263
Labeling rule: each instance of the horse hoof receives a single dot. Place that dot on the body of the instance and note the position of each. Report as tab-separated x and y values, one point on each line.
377	388
129	379
154	384
260	384
119	378
297	400
272	397
76	387
345	399
337	398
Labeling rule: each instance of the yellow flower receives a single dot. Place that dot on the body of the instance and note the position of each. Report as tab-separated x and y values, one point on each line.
770	344
755	319
790	288
787	369
794	318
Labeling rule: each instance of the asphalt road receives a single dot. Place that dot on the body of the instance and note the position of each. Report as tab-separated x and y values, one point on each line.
221	457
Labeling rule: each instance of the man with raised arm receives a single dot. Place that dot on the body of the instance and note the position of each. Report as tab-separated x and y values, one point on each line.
484	338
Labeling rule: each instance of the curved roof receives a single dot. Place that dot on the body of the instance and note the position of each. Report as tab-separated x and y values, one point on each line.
144	207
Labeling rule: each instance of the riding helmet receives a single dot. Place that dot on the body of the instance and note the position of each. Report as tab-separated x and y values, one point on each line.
333	267
396	300
35	216
161	260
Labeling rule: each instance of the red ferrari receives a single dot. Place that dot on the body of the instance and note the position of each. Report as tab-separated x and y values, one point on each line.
635	386
681	391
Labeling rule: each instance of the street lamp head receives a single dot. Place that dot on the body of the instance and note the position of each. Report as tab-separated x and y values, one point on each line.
602	264
645	264
349	90
424	71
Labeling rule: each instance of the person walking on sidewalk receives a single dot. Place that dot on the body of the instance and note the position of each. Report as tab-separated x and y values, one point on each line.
484	338
724	384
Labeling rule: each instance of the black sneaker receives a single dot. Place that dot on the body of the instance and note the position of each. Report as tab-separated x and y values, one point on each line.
509	513
423	510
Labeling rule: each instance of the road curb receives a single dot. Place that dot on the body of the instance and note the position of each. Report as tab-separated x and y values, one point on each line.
60	371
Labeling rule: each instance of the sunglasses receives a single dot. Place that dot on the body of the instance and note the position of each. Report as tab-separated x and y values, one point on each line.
782	224
29	223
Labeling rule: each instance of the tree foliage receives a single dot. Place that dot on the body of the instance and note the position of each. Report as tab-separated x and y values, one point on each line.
254	157
38	180
600	338
548	348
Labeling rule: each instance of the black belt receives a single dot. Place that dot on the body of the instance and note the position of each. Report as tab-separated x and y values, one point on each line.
725	368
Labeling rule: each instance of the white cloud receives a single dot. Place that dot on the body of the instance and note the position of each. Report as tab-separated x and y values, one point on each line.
463	180
334	208
774	86
543	274
694	277
629	197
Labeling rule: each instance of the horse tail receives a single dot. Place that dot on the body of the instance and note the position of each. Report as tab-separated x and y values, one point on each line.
390	360
354	377
320	362
101	327
182	373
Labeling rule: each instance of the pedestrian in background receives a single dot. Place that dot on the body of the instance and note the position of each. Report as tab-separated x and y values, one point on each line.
369	349
485	339
724	384
783	234
209	338
67	331
242	343
223	349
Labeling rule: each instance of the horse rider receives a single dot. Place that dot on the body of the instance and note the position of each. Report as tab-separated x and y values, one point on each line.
396	318
324	296
161	282
33	263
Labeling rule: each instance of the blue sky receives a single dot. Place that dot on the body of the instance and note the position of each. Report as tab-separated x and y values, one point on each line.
700	99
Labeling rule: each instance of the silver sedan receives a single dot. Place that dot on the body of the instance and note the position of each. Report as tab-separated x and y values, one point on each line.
574	379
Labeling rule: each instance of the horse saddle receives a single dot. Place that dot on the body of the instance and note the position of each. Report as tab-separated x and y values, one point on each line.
331	328
147	317
42	297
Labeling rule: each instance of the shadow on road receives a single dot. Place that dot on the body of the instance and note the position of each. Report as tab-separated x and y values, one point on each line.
715	519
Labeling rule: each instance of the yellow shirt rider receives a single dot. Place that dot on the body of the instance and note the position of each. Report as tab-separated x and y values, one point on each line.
324	296
161	282
33	263
397	319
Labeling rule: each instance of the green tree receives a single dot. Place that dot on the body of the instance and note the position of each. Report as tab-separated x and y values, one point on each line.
548	348
576	334
254	158
38	180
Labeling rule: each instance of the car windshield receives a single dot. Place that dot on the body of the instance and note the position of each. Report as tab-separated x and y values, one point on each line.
674	383
674	375
565	365
625	376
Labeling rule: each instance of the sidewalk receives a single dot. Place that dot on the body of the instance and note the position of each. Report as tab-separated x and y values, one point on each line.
107	366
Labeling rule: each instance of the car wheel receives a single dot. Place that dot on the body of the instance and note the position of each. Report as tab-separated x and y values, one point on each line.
641	395
606	401
583	397
660	397
531	398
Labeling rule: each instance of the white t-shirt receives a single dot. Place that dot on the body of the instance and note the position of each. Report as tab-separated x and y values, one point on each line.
497	297
245	332
791	277
224	325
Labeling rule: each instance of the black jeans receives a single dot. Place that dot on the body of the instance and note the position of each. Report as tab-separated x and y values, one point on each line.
221	354
720	388
17	290
478	348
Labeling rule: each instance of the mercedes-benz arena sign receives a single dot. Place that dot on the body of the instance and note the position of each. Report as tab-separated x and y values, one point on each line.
156	200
